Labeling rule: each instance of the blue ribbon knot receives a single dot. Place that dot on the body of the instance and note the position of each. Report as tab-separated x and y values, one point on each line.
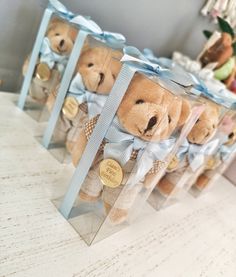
120	145
57	7
94	101
223	97
174	79
196	153
89	26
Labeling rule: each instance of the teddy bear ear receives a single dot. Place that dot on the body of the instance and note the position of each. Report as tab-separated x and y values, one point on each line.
73	32
185	112
117	54
53	23
86	45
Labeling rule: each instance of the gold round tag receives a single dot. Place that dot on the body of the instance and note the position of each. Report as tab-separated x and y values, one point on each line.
111	173
70	107
43	72
211	163
173	163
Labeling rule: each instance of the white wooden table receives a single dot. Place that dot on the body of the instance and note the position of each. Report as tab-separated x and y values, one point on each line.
196	238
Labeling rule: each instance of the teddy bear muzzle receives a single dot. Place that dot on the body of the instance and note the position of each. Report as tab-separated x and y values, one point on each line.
207	132
150	121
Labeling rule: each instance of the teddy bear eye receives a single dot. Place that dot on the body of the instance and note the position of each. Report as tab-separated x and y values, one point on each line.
57	34
90	64
169	119
139	101
231	135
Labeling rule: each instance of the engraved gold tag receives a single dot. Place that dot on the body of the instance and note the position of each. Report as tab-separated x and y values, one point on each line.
70	107
173	163
111	173
210	163
43	72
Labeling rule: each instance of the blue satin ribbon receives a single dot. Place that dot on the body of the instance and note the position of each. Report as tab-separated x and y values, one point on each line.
94	101
162	61
86	24
223	97
58	8
48	56
174	80
196	153
121	144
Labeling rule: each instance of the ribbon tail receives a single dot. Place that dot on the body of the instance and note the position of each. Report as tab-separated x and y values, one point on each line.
141	168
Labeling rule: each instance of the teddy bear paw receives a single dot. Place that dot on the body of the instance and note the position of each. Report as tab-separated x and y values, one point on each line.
165	187
116	216
89	198
202	182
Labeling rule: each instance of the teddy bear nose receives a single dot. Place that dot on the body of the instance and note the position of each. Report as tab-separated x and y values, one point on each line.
231	135
102	76
152	121
62	42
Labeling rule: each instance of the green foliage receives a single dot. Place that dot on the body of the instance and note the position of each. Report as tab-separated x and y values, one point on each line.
234	48
225	27
207	34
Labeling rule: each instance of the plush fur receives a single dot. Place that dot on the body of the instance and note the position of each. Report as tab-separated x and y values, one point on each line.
99	68
148	112
201	133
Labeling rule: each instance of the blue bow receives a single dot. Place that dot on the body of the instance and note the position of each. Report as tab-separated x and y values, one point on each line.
197	153
222	97
164	62
57	7
197	86
50	57
121	144
134	58
89	26
94	101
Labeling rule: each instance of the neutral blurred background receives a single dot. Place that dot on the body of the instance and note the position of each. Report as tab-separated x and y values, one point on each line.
164	26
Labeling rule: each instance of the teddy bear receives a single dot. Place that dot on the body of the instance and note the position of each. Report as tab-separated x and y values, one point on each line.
96	72
54	53
220	52
217	162
143	125
200	135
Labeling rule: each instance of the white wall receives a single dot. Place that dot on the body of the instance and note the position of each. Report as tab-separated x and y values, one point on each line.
163	25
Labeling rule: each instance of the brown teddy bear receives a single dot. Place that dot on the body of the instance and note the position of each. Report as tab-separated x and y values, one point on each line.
217	161
201	133
146	118
95	76
54	53
220	52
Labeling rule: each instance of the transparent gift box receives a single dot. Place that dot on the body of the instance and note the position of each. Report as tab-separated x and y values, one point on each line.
216	163
121	154
200	144
44	67
85	89
202	141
